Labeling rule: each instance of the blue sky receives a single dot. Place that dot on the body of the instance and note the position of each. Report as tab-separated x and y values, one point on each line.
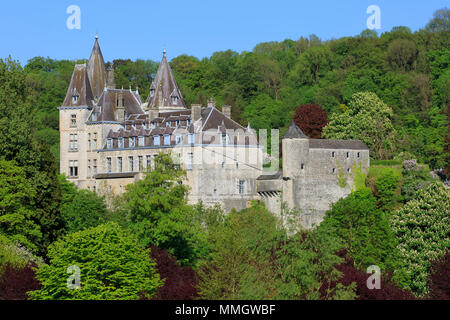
140	29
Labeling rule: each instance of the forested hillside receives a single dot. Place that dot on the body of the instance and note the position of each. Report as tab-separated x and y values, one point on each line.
408	71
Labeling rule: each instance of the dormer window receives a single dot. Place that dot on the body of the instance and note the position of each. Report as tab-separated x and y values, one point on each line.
168	124
174	99
141	141
152	125
156	140
132	142
179	139
166	139
94	116
75	96
177	123
120	142
109	143
152	92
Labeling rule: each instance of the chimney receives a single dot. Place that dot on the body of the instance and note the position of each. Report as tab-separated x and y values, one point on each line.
226	110
110	78
153	114
196	112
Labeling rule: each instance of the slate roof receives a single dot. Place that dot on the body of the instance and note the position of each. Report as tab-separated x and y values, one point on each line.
337	144
164	87
108	103
275	176
79	87
96	70
294	132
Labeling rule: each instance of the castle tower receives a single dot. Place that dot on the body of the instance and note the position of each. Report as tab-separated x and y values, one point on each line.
73	113
96	70
164	93
295	152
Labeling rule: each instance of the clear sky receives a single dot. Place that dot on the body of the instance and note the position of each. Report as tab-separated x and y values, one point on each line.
140	29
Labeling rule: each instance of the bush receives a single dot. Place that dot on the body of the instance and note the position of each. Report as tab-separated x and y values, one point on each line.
113	267
179	282
439	279
15	282
422	227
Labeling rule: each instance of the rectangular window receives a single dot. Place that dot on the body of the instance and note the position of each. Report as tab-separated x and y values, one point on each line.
224	139
149	161
119	164
108	165
120	143
109	143
132	142
333	154
130	164
156	140
141	163
190	161
89	142
241	186
179	139
73	168
94	146
95	166
348	154
359	154
73	145
302	166
166	140
334	170
188	122
73	120
89	168
141	141
191	139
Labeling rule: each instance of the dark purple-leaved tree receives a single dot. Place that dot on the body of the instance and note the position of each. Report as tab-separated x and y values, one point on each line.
180	283
311	118
16	282
439	279
387	291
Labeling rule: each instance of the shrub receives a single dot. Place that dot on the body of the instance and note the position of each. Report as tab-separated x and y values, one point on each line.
15	282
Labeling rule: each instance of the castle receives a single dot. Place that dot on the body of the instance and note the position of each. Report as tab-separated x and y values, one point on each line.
109	137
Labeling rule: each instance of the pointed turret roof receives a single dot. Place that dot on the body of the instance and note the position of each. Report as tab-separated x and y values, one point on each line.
294	132
79	92
96	70
164	92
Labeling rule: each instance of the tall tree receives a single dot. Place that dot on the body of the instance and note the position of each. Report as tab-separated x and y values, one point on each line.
311	119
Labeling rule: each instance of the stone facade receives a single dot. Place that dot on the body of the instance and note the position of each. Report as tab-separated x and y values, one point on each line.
110	138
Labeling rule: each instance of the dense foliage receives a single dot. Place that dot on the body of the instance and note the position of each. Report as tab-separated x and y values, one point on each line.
112	265
180	283
16	282
311	119
422	227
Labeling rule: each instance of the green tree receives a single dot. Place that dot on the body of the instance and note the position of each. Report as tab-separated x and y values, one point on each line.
367	119
157	212
113	267
16	212
85	210
422	227
364	229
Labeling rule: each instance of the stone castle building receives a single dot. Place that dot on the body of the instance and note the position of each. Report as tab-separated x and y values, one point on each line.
109	137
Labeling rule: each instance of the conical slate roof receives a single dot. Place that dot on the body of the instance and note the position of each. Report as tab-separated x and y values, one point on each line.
79	92
96	70
294	132
164	92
